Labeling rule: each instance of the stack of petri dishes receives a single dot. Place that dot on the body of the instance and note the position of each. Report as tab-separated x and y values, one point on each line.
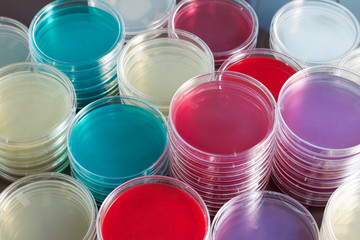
314	32
116	139
14	42
142	15
318	141
83	39
153	65
269	67
264	215
47	206
226	26
342	213
221	135
153	207
38	103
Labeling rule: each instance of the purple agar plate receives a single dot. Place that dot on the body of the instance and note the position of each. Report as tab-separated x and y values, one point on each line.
264	215
317	141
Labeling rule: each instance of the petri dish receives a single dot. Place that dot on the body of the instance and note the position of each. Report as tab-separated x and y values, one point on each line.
318	110
155	207
264	215
80	34
153	65
36	99
314	32
226	26
83	39
47	206
269	67
236	114
221	134
14	45
341	214
318	99
39	102
352	61
125	149
142	15
115	139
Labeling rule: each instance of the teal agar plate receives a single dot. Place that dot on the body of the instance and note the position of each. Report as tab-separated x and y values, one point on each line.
116	139
82	39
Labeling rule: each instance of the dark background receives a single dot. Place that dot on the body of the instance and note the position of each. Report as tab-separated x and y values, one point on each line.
25	10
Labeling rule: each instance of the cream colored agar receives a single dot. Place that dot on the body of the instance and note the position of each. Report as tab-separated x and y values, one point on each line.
45	212
31	104
157	68
345	222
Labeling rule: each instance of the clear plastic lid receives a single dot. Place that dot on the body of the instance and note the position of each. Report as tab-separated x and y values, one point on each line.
309	106
14	45
144	125
221	97
47	206
95	35
154	64
314	32
38	110
352	61
142	15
